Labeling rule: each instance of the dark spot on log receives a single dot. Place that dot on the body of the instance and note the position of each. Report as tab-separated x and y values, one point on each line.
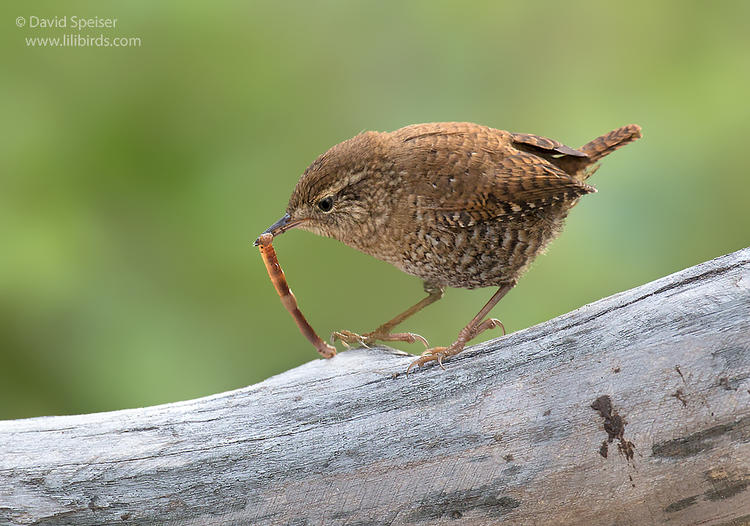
297	398
679	395
677	368
455	514
604	449
497	437
627	448
616	370
702	440
614	425
35	481
483	499
681	504
125	516
508	458
547	412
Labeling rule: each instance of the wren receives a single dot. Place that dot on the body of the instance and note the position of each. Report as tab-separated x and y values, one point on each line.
454	203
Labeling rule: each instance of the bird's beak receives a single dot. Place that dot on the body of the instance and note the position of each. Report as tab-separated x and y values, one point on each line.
280	226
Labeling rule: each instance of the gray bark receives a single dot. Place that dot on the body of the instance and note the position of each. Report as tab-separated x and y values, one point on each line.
633	410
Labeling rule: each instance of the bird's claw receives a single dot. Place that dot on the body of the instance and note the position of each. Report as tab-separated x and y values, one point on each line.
349	338
436	354
491	324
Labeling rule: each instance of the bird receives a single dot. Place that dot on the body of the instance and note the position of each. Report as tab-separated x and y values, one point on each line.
455	204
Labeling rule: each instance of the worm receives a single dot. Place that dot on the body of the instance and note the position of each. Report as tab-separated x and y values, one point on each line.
287	297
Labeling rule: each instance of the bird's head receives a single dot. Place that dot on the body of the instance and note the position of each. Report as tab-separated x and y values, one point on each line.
332	197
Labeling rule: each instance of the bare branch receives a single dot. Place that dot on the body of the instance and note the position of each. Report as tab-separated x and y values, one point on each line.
632	410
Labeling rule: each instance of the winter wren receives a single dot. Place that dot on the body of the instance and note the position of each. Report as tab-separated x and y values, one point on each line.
455	204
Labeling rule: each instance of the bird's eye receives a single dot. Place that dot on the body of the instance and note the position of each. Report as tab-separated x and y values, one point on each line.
326	204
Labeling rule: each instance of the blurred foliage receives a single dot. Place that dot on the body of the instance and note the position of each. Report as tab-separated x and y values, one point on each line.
133	180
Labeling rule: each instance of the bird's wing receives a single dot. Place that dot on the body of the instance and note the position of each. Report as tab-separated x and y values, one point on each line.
543	146
467	176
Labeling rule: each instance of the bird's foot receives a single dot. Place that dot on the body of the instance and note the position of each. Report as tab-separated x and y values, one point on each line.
438	354
349	338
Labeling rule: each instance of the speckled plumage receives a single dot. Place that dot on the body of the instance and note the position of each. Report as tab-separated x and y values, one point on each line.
456	204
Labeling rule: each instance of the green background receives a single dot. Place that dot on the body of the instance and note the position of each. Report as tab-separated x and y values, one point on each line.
133	180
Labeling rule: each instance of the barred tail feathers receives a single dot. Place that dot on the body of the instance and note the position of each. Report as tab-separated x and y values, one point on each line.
601	147
608	143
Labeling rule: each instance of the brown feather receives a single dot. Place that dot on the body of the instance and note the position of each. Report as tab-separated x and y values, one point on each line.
456	203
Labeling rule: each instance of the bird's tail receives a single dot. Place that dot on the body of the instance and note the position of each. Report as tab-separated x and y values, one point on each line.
608	143
603	146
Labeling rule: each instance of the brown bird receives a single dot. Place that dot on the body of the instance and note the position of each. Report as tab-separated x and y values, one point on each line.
455	204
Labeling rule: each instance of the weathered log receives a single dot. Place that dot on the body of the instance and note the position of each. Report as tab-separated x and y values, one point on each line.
633	410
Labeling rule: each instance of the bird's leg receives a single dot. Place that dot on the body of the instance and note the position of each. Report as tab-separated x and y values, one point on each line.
383	333
475	327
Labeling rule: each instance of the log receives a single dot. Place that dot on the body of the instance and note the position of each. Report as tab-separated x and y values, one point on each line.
633	410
